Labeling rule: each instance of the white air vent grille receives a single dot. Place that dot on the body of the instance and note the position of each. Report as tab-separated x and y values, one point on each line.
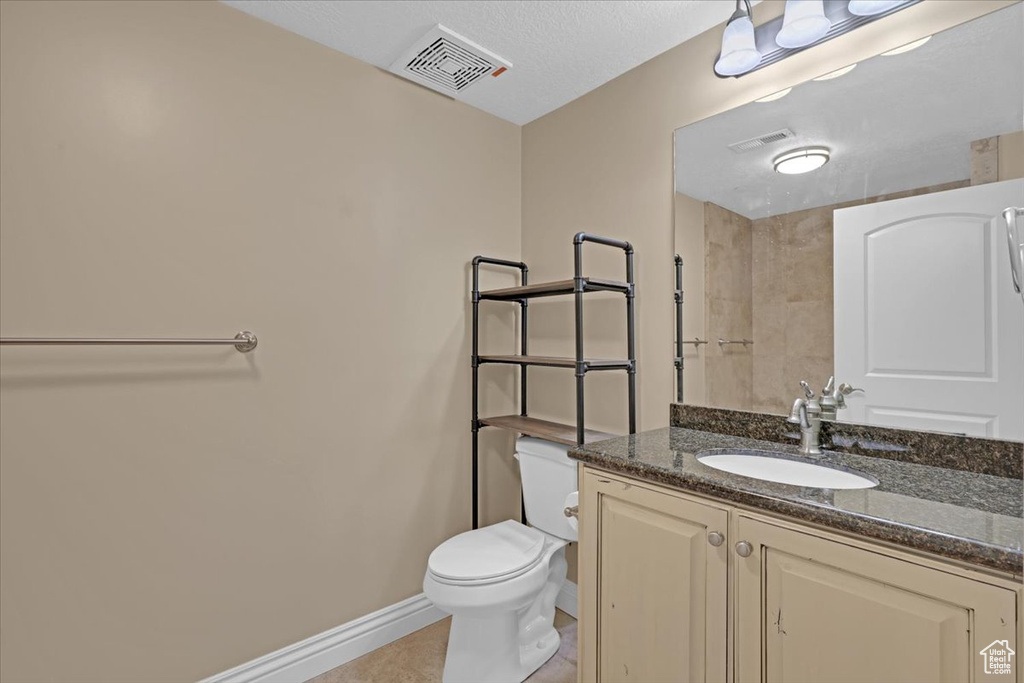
447	62
761	141
449	65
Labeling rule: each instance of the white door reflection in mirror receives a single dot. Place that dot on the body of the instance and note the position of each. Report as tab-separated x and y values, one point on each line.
926	318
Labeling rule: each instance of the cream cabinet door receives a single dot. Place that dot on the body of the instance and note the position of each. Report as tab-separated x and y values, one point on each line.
653	584
814	610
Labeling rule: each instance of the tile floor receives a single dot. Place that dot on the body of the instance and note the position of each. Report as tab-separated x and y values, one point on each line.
419	658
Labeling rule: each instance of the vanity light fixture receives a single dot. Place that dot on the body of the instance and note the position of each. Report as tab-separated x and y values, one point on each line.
739	52
801	160
805	23
837	73
907	48
775	95
869	8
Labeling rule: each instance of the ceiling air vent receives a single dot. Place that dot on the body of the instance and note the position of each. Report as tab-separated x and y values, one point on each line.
448	63
761	141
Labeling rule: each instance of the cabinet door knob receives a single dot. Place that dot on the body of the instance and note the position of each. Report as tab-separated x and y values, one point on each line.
716	539
743	549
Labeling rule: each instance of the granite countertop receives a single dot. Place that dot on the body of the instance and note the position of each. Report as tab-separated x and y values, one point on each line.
965	516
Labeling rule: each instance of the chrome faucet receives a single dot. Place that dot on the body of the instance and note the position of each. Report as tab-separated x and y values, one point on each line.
834	398
807	413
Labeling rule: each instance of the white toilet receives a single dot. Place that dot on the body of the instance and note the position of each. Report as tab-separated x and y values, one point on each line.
500	582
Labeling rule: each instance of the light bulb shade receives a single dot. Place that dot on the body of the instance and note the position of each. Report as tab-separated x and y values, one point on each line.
869	8
801	160
804	23
739	52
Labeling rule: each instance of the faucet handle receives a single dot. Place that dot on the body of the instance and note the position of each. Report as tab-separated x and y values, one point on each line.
847	389
807	390
829	386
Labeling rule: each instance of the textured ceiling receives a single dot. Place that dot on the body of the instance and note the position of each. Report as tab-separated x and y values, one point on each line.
559	49
893	123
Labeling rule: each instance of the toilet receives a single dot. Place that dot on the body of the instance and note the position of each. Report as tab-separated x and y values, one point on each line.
500	582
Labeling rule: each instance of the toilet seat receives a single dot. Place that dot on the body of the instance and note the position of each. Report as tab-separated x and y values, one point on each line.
489	555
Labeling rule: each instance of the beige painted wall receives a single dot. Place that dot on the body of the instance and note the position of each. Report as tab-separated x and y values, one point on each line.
180	168
1011	155
184	169
603	163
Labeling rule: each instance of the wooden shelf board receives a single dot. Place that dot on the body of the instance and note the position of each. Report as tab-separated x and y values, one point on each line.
542	429
552	289
557	362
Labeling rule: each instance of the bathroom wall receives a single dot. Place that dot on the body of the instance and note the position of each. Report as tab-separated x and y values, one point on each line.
728	308
181	168
603	163
1011	156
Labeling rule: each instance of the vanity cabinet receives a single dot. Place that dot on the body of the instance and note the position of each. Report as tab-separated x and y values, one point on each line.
811	609
675	587
654	571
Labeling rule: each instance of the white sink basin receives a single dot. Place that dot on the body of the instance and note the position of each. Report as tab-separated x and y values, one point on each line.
768	466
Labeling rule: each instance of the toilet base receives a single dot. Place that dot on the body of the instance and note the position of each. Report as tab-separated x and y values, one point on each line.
507	646
488	651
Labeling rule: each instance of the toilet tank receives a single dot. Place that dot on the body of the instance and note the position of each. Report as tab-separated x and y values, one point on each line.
548	477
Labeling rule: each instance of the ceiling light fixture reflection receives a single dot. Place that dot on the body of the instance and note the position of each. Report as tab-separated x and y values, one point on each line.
801	160
803	24
739	52
907	48
837	73
775	96
869	8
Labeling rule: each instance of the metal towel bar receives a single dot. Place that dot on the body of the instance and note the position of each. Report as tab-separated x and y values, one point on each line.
724	342
244	341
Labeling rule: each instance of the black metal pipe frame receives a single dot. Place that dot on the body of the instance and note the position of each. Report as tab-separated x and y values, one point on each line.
523	270
679	329
581	366
579	287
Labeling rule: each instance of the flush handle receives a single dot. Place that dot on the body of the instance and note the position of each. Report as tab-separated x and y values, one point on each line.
743	549
716	539
573	511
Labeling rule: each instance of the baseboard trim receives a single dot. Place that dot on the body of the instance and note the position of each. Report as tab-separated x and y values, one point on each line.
567	599
330	649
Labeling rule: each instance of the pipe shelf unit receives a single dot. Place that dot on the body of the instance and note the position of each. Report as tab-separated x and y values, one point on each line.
579	285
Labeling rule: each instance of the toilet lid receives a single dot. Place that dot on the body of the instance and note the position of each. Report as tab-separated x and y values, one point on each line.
498	551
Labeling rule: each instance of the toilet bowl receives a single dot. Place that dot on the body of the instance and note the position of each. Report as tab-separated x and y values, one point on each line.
500	582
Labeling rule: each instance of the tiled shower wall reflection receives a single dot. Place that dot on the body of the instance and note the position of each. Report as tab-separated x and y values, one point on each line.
792	300
727	307
770	280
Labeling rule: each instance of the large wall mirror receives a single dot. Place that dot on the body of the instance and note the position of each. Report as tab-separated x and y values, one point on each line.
876	252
